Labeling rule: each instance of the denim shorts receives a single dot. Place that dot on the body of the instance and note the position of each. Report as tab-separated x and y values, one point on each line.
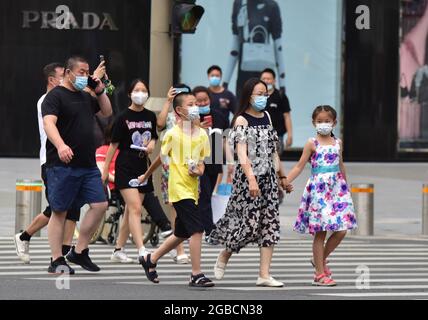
71	188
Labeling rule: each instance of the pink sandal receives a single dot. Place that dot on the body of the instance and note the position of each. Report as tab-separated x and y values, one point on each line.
323	280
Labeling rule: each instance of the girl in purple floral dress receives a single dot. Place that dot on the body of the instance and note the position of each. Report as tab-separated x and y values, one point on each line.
326	203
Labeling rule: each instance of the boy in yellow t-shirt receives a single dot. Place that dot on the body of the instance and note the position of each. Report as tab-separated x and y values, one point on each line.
186	145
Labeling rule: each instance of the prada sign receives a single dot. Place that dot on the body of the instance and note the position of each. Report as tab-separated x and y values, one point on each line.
63	19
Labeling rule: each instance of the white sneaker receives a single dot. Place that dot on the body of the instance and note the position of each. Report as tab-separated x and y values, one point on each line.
166	234
173	254
182	259
120	256
22	249
143	252
270	282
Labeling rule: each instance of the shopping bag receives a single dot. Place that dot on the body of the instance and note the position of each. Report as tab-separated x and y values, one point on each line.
219	201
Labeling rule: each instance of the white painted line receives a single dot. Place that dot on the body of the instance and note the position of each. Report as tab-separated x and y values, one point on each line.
297	245
231	281
309	287
209	266
277	257
245	250
277	273
375	294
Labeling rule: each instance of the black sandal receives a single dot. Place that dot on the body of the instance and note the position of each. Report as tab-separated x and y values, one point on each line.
200	281
148	264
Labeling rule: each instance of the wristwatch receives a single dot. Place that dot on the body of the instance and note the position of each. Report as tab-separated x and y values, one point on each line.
101	93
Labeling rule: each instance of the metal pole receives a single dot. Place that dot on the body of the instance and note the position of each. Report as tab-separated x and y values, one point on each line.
363	198
28	203
425	209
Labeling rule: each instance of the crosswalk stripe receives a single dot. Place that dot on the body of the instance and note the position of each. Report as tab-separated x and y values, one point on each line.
308	287
397	251
392	266
238	279
375	294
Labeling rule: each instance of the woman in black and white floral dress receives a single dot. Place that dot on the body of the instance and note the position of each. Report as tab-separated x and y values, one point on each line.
252	214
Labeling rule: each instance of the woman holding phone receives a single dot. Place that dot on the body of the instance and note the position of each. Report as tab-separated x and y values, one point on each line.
216	122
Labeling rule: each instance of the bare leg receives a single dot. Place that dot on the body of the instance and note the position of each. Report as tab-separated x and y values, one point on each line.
69	232
195	245
38	223
318	251
332	243
225	256
180	247
265	261
56	227
170	243
90	224
134	200
124	230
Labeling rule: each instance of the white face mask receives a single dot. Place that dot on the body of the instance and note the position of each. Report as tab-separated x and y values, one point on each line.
193	113
324	129
139	98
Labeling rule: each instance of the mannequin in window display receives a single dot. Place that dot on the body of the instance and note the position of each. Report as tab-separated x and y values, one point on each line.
413	108
257	42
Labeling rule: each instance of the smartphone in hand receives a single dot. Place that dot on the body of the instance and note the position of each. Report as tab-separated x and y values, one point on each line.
181	90
209	120
92	83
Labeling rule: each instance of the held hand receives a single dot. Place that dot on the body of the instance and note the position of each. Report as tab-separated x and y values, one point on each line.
65	153
286	185
254	188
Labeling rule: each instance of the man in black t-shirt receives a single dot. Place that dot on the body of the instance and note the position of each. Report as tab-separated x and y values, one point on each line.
221	99
73	176
278	107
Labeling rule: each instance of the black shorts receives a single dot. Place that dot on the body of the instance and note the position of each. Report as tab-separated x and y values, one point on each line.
129	166
188	221
73	214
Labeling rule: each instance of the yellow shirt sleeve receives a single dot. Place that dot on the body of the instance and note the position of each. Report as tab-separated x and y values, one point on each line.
166	144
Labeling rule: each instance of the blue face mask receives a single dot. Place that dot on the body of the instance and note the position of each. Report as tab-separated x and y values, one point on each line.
215	81
259	103
80	83
205	109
